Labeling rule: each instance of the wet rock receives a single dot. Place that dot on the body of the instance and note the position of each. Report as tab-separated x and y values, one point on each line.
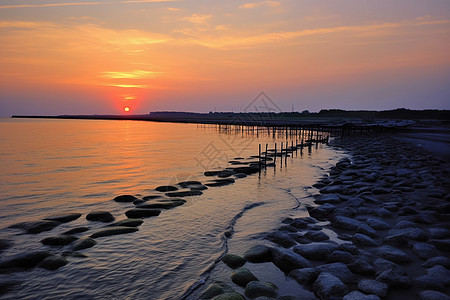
184	193
142	213
333	189
129	223
340	256
161	204
229	296
60	240
125	198
233	261
339	270
239	175
225	173
442	244
76	230
35	227
242	277
247	170
101	216
256	289
113	231
395	278
345	223
437	278
64	218
439	260
363	240
439	233
415	234
345	237
315	251
305	275
287	261
8	285
5	244
281	238
198	187
393	254
377	224
367	230
23	261
150	197
53	262
328	286
355	202
217	288
211	173
370	286
188	184
361	266
317	236
84	244
357	295
166	188
350	248
382	264
425	251
433	295
328	198
220	182
299	223
321	212
258	254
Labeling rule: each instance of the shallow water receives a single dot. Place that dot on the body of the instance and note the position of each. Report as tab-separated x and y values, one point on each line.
50	167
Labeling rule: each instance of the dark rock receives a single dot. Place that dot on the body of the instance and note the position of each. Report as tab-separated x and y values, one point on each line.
363	240
184	193
317	236
239	175
150	197
35	227
345	237
339	270
60	240
217	288
76	230
367	230
125	198
361	266
161	204
305	275
242	277
394	278
256	289
328	198
53	262
84	244
393	254
382	264
415	234
299	223
433	295
281	238
369	286
7	286
129	223
233	261
5	244
439	260
199	187
246	170
425	251
101	216
439	233
142	213
340	256
220	182
258	254
113	231
357	295
350	248
229	296
345	223
211	173
23	261
188	184
287	261
64	218
377	224
166	188
441	244
225	173
328	286
315	251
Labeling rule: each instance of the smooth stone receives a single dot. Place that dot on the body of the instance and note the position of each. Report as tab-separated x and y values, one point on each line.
76	230
355	202
258	254
394	278
215	289
370	286
441	244
64	218
382	264
243	276
299	223
240	175
305	275
281	238
350	248
5	244
315	251
333	189
150	197
125	198
142	213
184	193
425	251
363	240
246	170
328	198
35	227
225	173
339	270
188	184
345	237
439	233
377	224
211	173
340	256
60	240
361	266
317	236
220	182
233	261
199	187
436	279
84	244
433	295
229	296
367	230
161	204
166	188
23	261
256	289
321	212
357	295
328	286
287	261
113	231
346	223
8	285
101	216
53	262
415	234
393	254
129	223
438	260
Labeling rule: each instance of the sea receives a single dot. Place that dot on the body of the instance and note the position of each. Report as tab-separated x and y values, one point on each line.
51	167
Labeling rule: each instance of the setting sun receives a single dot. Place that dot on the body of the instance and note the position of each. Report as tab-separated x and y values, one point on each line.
126	109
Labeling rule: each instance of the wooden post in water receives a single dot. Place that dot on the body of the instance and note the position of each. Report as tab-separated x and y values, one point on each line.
275	156
265	158
259	156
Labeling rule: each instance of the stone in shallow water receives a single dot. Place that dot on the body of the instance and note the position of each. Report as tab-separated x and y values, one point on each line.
256	289
215	289
23	261
161	204
101	216
433	295
393	254
243	276
229	296
357	295
395	278
166	188
233	261
142	213
317	236
35	227
363	240
125	198
439	260
361	266
305	275
258	254
315	251
113	231
345	223
184	193
128	223
340	256
281	238
370	286
76	230
287	261
328	286
84	244
53	262
339	270
64	218
60	240
328	198
377	224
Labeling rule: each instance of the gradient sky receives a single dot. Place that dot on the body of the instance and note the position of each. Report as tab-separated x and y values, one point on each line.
98	56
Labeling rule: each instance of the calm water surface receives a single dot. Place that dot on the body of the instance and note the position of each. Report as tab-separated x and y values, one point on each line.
51	167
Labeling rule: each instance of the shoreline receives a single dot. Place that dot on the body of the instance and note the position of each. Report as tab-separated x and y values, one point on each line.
389	207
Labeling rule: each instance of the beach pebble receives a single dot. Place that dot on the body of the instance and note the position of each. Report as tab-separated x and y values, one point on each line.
142	213
395	278
287	261
393	254
339	270
256	289
329	198
125	198
281	238
229	296
166	188
405	224
258	254
317	236
340	256
322	212
433	295
64	218
299	223
329	286
101	216
425	251
377	224
305	275
233	261
363	240
60	240
439	260
216	288
370	286
360	266
243	276
113	231
76	230
346	223
367	230
129	223
53	262
357	295
315	251
84	244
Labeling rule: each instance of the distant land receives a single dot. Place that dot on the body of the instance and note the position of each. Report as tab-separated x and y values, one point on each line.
324	117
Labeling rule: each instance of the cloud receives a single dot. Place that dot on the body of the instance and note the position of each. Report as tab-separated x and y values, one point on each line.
81	3
199	19
135	74
258	4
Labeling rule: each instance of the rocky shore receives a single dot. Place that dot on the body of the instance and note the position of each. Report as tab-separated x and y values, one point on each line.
379	229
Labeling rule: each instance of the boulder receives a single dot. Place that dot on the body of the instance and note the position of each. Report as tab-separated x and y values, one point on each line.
23	261
357	295
188	184
305	275
317	236
315	251
233	261
328	198
101	216
247	170
113	231
442	244
166	188
370	286
288	261
220	182
339	270
367	230
340	256
64	218
59	240
184	193
142	213
395	278
242	277
125	198
229	296
215	289
281	238
299	223
346	223
53	262
363	240
150	197
258	254
377	224
34	227
425	251
438	260
433	295
84	244
225	173
393	254
256	289
328	286
128	223
322	212
361	266
76	230
239	175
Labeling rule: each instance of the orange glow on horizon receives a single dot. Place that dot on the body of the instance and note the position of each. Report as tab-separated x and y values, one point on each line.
127	109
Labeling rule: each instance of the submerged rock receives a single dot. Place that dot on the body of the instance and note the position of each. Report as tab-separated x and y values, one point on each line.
305	275
162	204
113	231
315	251
233	261
229	296
220	182
184	193
258	254
129	223
339	270
60	240
23	261
84	244
142	213
5	244
287	261
125	198
53	262
243	276
329	286
76	230
100	216
215	289
256	289
34	227
166	188
64	218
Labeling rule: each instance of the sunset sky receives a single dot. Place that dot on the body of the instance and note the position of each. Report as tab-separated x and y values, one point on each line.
100	56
